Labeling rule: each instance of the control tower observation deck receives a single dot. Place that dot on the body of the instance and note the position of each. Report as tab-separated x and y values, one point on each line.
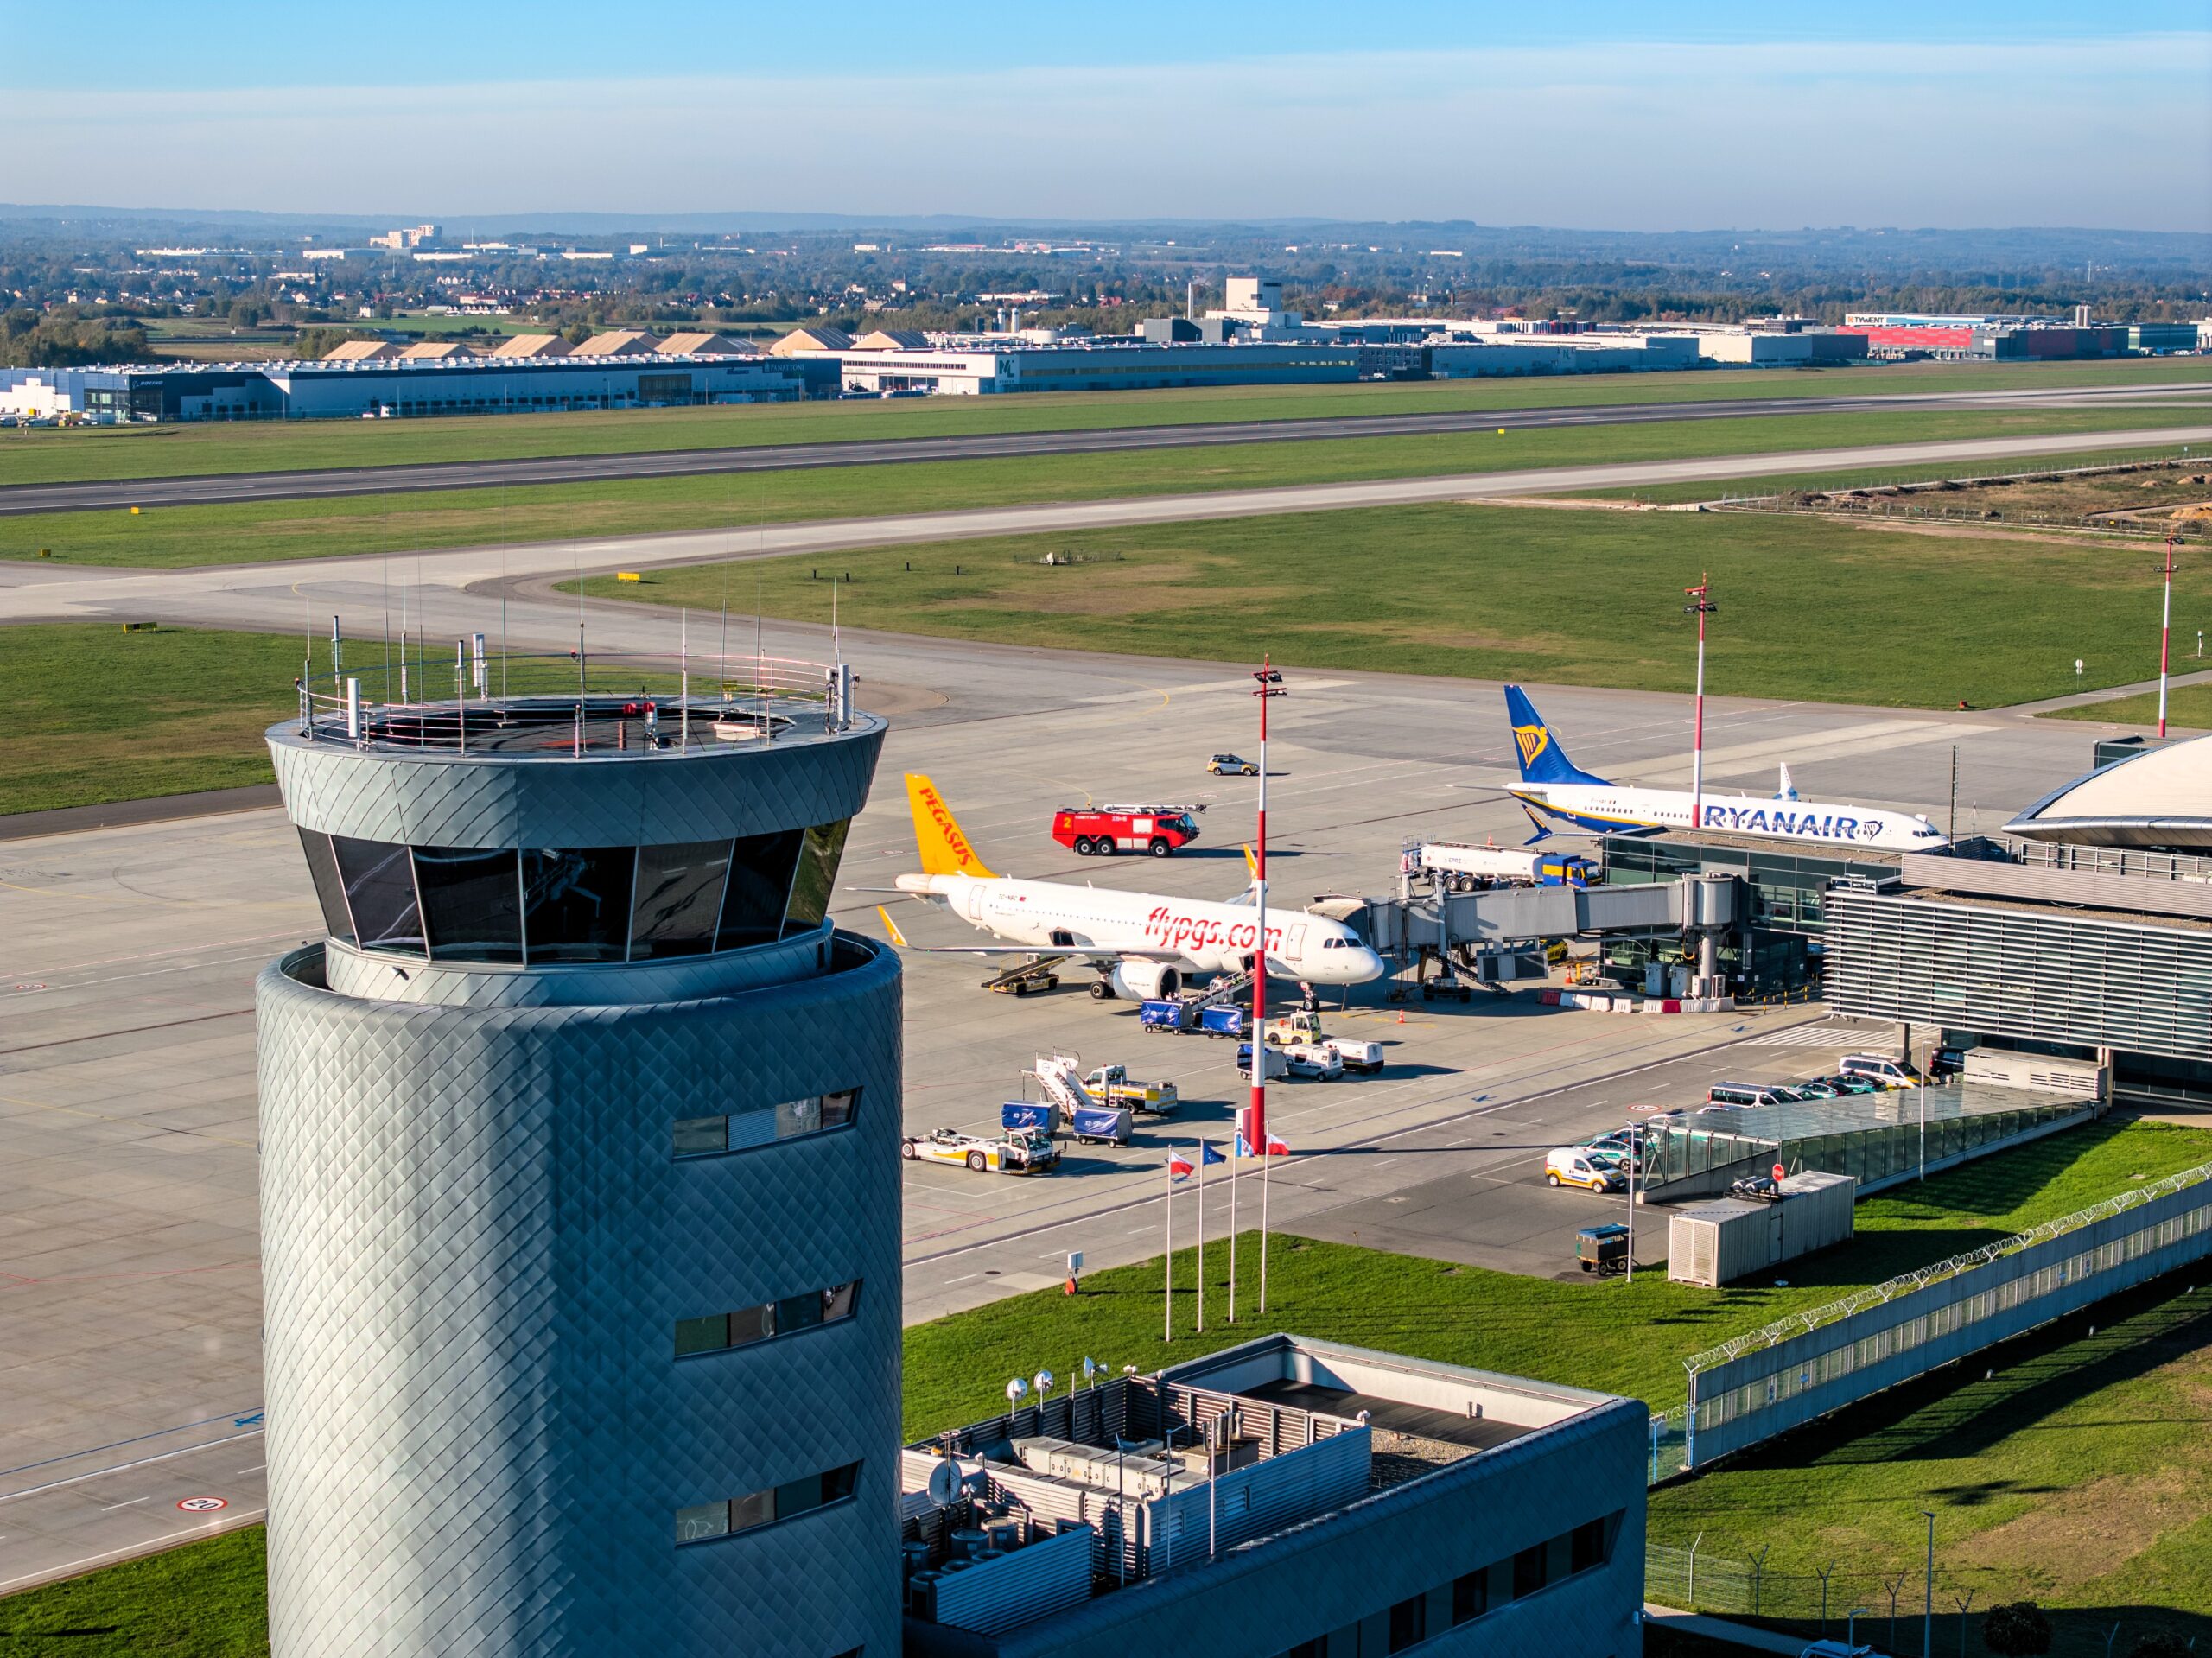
579	1191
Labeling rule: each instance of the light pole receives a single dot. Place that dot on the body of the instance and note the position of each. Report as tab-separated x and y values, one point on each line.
1700	606
1270	687
2165	631
1928	1611
1634	1147
1851	1626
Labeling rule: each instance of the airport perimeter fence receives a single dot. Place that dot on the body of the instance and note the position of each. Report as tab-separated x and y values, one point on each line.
1704	1580
1789	1372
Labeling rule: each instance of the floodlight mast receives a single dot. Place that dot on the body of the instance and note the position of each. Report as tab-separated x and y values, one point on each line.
1702	607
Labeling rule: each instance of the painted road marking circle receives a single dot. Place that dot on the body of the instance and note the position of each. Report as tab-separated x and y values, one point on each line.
203	1504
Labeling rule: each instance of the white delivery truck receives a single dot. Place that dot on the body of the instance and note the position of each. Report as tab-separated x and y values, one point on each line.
1467	867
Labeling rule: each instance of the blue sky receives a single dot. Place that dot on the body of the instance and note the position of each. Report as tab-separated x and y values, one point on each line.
1620	116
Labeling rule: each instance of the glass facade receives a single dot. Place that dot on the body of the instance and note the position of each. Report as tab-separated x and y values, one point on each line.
706	1522
576	903
720	1331
592	905
1787	889
329	889
788	1119
472	904
380	882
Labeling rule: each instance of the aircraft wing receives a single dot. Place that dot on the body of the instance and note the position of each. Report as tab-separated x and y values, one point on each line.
1063	952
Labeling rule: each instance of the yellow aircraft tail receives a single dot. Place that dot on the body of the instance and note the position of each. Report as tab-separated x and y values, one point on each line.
944	850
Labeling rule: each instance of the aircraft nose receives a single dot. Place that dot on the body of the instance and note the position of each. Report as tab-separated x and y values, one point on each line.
1370	965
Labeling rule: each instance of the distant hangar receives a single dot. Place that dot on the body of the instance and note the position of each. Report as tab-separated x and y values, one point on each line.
2157	800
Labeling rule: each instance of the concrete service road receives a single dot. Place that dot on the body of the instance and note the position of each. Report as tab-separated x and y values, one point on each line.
212	489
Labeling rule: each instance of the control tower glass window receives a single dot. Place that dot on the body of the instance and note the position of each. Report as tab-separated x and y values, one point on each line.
329	890
380	892
819	855
576	903
679	898
472	903
760	870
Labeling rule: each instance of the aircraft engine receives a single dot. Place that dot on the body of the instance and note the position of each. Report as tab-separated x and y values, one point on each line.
1145	981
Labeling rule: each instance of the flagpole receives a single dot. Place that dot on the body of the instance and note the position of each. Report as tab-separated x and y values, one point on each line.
1202	1237
1170	1336
1235	1143
1264	1231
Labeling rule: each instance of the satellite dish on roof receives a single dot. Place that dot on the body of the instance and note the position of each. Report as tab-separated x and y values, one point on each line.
945	1483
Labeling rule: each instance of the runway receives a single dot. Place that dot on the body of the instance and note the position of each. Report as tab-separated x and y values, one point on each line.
230	487
268	596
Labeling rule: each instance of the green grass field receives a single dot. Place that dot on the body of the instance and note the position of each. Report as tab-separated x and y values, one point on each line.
205	1600
46	455
171	538
1612	1335
2188	707
2074	1471
97	714
1543	594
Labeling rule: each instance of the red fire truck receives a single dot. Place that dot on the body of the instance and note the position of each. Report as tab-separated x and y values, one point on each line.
1096	831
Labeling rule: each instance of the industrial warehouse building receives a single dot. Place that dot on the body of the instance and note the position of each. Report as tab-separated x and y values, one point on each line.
382	382
1287	1496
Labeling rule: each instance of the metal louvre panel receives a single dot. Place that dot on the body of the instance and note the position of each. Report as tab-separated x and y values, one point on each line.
1034	1581
2050	976
1258	1500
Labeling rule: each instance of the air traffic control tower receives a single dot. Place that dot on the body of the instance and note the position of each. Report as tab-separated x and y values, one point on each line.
580	1177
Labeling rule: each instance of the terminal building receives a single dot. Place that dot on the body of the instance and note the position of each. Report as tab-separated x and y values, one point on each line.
1286	1499
580	1178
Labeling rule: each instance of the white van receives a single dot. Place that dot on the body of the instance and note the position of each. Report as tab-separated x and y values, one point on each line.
1876	1068
1582	1166
1748	1094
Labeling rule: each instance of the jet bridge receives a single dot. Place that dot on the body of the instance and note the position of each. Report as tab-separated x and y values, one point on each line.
1459	929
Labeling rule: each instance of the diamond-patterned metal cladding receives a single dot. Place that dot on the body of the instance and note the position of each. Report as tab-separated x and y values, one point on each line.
446	799
476	1246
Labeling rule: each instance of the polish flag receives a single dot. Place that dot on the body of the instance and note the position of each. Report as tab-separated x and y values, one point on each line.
1180	1167
1276	1147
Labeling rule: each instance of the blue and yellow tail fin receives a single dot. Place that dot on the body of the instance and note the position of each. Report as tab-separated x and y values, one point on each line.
1540	757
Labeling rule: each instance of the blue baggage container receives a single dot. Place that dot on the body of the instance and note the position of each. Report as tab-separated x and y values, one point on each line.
1160	1015
1042	1115
1106	1125
1227	1019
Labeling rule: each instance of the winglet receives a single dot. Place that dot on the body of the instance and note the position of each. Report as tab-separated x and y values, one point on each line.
1251	863
944	850
892	927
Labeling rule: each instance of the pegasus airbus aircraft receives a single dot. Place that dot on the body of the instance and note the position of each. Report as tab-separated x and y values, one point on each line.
1142	945
1554	788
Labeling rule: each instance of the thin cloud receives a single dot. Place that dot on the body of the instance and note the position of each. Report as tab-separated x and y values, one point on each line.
2111	132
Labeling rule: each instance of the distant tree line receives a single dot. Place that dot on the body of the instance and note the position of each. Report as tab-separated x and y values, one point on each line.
64	340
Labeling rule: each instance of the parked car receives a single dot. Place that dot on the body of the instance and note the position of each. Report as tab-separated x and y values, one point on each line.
1232	766
1578	1166
1844	1085
1818	1088
1878	1069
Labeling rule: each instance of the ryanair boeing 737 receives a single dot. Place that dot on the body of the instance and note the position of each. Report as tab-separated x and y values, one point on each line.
1552	789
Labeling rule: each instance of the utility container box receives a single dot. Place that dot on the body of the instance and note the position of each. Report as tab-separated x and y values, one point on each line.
1101	1125
1043	1115
1817	1212
1719	1242
1225	1019
2003	1068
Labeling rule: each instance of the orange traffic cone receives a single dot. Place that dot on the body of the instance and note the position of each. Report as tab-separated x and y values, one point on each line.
1402	1016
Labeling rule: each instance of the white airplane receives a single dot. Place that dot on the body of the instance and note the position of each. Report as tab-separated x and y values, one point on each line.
1142	945
1552	785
